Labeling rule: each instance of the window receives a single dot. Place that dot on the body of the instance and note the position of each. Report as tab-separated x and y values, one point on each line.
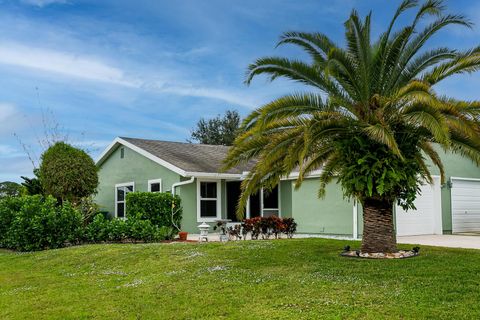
208	200
264	203
122	153
121	191
155	185
270	202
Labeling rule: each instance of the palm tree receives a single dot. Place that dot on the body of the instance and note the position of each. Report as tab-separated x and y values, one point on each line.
371	120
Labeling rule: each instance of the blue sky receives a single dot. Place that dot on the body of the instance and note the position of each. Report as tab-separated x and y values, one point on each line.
151	69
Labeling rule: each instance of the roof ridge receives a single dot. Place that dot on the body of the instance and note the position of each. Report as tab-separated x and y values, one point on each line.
177	142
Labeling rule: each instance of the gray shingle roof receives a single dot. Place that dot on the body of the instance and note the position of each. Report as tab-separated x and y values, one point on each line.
190	157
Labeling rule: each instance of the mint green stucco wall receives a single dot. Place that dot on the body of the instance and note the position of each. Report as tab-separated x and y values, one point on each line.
188	193
286	198
330	215
133	167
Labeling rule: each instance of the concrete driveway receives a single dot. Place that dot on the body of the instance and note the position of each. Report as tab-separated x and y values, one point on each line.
451	241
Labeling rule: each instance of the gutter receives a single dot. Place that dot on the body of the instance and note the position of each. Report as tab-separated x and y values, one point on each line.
177	184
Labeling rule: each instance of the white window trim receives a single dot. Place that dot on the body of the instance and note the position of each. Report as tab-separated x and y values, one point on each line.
125	184
150	182
278	209
218	199
262	208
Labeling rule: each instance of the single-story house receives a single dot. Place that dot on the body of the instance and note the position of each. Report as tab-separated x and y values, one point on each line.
193	171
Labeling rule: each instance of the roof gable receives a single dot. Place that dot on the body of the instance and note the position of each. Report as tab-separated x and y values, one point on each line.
186	159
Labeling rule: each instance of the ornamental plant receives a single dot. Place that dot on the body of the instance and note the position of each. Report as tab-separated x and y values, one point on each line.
370	116
67	173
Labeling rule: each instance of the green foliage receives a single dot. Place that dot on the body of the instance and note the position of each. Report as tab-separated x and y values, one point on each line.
370	170
157	207
67	173
372	113
10	189
32	223
219	130
121	230
33	186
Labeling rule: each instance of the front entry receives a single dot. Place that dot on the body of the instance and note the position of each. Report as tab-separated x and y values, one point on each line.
233	194
260	204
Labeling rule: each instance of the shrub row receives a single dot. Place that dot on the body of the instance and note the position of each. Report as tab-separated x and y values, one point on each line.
118	230
32	223
264	227
35	223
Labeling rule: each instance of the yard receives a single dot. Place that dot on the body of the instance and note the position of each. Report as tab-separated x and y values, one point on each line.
280	279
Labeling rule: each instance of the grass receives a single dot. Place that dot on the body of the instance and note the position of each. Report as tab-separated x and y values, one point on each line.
280	279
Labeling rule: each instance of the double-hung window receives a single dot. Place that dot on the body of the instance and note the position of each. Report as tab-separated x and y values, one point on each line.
121	191
208	200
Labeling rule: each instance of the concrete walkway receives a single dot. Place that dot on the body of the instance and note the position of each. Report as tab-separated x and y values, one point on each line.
445	240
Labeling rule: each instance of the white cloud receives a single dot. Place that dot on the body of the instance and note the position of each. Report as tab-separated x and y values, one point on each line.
212	93
43	3
6	111
87	68
6	150
61	62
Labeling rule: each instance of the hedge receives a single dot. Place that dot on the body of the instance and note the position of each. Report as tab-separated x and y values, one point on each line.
35	223
31	223
155	207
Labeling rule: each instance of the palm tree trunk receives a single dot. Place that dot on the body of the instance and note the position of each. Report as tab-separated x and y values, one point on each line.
378	230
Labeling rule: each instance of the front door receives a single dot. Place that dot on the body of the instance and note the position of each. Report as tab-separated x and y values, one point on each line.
233	194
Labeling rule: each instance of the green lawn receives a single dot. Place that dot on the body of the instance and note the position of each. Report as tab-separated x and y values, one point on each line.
282	279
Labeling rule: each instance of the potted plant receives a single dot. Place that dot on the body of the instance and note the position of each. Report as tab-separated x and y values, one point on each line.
182	235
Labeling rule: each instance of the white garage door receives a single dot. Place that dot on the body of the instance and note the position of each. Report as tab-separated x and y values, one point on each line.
465	205
427	218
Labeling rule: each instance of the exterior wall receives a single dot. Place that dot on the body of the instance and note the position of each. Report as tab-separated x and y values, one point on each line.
285	195
455	166
330	215
188	194
133	167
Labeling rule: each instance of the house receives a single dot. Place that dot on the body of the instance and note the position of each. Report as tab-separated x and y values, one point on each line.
193	171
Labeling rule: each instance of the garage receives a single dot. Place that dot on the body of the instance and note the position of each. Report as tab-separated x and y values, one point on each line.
465	205
427	218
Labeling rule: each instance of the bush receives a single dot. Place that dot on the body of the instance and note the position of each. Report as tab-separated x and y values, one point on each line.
32	223
119	230
68	173
268	226
155	207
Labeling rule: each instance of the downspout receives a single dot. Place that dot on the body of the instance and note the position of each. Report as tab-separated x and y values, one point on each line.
355	219
177	184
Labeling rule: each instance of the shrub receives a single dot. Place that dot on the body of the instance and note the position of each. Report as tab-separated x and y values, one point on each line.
155	207
290	227
119	230
268	226
67	173
37	223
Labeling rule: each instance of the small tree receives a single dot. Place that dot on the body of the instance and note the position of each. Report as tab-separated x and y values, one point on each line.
10	189
32	186
67	173
219	130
